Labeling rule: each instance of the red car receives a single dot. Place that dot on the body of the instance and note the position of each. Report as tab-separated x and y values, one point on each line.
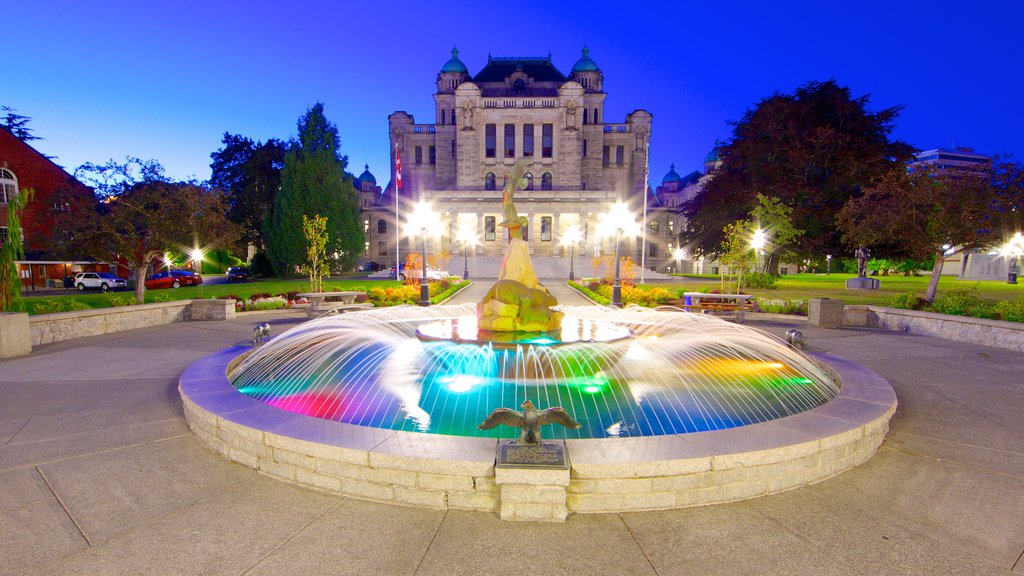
175	279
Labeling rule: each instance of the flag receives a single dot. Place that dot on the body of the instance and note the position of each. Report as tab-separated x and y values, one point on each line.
398	168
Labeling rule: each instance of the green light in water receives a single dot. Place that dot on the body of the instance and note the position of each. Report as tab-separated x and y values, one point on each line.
543	341
592	389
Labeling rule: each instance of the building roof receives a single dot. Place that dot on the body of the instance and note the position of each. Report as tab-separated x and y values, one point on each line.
585	64
672	176
713	156
541	69
455	65
367	177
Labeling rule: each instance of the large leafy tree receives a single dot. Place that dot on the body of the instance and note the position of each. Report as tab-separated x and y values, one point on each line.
152	217
812	150
250	173
114	177
930	212
314	182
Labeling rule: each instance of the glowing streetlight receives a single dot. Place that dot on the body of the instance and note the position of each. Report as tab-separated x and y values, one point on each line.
570	237
467	236
1013	249
828	264
167	261
678	254
424	220
757	243
617	221
197	259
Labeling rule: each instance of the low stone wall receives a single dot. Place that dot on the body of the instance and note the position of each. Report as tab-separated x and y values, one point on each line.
49	328
995	333
606	475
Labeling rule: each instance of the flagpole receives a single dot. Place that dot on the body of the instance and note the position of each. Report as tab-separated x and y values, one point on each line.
398	190
643	242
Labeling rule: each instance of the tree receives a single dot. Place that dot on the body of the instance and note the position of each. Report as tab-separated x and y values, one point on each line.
250	172
735	252
930	212
63	227
115	178
12	250
145	221
17	124
315	230
313	182
772	216
812	150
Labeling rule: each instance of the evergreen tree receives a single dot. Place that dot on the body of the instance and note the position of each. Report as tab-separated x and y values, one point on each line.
250	173
314	182
17	124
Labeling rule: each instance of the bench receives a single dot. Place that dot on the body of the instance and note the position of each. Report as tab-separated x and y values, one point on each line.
737	304
318	304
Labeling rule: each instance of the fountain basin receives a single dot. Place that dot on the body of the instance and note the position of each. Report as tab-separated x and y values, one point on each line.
607	475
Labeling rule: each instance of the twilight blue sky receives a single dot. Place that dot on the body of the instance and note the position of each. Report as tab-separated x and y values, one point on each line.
164	80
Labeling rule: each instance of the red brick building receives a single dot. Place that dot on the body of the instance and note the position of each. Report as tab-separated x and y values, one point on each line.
58	203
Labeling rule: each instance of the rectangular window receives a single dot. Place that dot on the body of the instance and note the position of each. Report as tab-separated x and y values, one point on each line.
510	140
619	155
528	140
453	150
545	228
3	235
7	191
652	250
366	247
584	148
490	140
433	155
605	155
419	155
382	248
489	224
547	140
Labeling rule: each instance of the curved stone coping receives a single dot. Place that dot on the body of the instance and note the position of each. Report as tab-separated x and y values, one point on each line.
607	475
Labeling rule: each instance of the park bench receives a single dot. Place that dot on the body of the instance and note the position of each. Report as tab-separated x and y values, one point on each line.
318	303
731	304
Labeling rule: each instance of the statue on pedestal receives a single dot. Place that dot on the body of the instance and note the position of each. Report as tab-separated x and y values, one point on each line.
862	261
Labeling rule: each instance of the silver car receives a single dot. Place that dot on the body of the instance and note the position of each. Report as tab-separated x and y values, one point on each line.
99	280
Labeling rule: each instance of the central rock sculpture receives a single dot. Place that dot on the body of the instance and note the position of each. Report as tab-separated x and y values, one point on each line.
517	302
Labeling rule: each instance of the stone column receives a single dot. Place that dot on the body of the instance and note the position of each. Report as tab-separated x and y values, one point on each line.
15	334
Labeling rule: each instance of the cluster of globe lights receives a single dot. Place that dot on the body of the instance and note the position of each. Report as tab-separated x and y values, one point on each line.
620	372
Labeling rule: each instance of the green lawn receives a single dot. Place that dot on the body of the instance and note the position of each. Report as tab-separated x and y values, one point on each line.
242	290
834	286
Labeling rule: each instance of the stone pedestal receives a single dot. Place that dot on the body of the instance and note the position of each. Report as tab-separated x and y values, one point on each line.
825	312
15	335
211	309
532	494
862	284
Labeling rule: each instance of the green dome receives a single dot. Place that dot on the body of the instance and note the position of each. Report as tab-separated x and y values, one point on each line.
713	156
367	177
672	176
454	65
585	64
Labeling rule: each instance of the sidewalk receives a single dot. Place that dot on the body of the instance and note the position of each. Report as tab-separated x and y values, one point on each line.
100	475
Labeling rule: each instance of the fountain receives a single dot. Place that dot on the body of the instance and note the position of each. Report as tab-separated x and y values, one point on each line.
677	409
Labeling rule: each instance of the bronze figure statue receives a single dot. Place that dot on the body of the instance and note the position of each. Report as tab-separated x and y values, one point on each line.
529	421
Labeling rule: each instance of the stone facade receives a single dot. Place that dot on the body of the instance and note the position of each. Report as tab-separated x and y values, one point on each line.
578	162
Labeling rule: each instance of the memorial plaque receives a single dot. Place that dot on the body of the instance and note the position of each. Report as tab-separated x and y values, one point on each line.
550	455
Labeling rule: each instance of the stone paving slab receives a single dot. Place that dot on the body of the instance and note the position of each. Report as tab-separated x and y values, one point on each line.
100	417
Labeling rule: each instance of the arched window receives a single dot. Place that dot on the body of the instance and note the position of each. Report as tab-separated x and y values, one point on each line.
489	181
529	181
8	186
382	226
654	227
545	181
443	116
519	87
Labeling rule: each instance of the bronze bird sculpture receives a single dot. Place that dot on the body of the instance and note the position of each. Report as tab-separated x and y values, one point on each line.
529	421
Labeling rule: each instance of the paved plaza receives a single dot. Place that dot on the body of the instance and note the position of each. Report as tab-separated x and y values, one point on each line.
100	475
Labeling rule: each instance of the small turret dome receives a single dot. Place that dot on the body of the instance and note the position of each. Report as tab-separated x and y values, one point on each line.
585	64
367	177
672	176
713	156
454	65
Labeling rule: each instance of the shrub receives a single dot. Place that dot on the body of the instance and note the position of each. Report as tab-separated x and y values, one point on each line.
783	305
908	301
1011	310
647	297
962	302
260	265
762	280
120	299
592	293
47	306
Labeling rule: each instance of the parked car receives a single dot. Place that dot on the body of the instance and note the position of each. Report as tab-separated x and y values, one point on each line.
432	274
370	266
174	279
99	280
237	274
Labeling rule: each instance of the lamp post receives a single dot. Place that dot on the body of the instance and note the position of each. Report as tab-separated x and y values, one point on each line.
757	243
422	220
618	221
828	264
678	254
197	260
570	238
468	238
1013	249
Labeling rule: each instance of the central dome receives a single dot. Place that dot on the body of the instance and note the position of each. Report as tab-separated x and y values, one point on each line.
585	64
455	65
